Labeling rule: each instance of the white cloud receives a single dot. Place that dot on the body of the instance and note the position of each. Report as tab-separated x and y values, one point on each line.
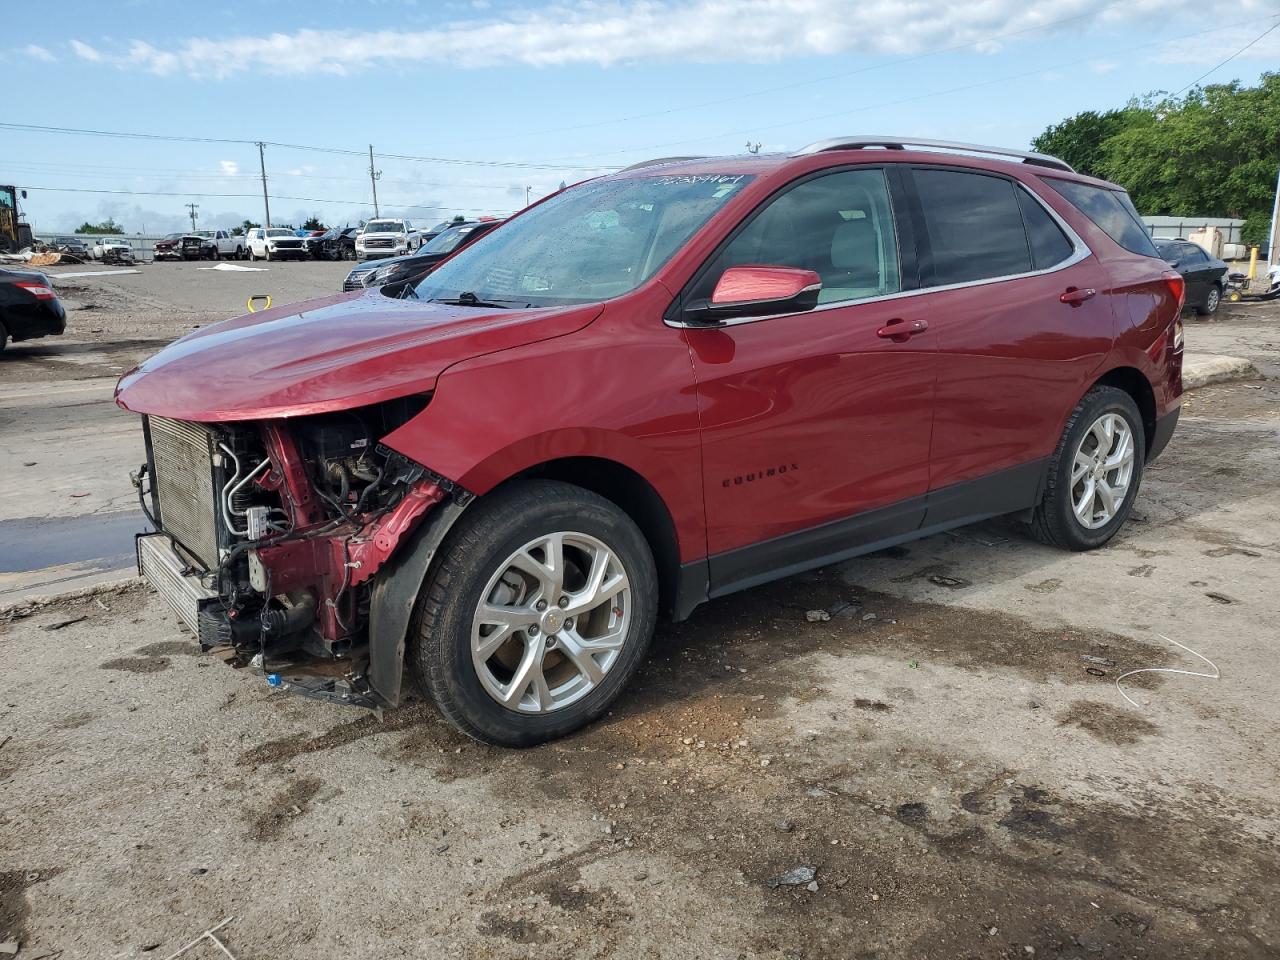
1209	49
609	32
229	167
85	52
39	53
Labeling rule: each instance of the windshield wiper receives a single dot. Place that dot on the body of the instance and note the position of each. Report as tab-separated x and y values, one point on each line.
468	299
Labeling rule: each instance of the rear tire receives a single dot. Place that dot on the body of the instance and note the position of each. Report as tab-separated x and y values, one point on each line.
1093	477
565	649
1212	301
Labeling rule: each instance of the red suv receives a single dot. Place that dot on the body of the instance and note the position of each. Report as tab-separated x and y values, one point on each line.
649	389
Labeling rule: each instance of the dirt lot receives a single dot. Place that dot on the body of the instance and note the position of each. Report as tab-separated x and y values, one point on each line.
962	780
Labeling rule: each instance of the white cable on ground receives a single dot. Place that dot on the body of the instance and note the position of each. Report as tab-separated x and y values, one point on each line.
1216	675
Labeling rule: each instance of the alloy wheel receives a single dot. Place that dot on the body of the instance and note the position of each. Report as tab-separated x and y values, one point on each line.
1211	301
1102	471
552	621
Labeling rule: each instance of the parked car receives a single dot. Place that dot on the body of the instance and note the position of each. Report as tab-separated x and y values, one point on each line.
1205	274
337	243
73	246
167	247
29	309
220	243
111	249
647	390
387	238
274	243
417	265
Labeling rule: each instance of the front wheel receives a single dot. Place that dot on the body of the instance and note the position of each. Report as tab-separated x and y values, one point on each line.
1094	474
541	610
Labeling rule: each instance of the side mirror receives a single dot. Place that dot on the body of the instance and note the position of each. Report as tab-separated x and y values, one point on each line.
1173	263
757	291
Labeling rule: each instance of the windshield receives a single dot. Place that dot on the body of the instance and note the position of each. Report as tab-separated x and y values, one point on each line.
119	240
448	241
597	241
281	232
207	234
384	226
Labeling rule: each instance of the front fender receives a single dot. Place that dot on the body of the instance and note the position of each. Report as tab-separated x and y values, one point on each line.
395	594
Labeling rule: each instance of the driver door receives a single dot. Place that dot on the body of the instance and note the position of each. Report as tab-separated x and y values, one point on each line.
816	425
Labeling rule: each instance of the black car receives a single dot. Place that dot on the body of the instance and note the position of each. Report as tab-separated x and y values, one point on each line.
28	307
421	262
1205	275
337	243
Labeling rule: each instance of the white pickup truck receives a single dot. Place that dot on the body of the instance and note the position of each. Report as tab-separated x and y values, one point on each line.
220	243
387	238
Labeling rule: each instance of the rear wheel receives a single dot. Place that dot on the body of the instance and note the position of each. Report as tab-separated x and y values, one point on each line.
1094	474
1211	302
540	611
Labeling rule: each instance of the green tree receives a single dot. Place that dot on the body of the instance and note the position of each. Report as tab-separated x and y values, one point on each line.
1211	153
108	225
1080	140
244	228
459	218
313	223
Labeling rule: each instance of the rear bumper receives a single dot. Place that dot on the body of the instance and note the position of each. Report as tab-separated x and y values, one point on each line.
1163	433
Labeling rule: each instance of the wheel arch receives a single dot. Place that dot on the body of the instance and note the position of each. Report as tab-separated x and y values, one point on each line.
635	496
1135	383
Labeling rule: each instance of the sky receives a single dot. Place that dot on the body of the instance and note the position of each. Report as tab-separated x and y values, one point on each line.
473	105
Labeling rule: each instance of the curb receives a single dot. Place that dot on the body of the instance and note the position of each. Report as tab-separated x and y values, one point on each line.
21	608
1204	369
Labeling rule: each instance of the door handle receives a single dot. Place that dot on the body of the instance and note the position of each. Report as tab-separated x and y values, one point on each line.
900	331
1075	296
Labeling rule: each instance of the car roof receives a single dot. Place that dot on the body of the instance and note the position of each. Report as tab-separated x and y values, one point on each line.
866	149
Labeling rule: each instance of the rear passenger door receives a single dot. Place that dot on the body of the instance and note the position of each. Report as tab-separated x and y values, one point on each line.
815	425
1021	318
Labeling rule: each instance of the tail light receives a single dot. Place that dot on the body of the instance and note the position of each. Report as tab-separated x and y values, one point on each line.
1177	287
1178	290
41	291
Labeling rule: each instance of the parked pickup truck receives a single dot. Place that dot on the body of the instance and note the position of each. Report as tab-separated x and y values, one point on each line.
220	243
387	238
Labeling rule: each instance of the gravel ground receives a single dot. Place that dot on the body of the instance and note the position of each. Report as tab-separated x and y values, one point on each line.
961	779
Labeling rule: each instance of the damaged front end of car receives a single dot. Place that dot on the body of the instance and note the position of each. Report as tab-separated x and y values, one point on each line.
267	538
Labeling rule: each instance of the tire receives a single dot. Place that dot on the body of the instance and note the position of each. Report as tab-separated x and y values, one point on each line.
253	257
269	256
240	253
1212	301
4	338
477	553
1055	520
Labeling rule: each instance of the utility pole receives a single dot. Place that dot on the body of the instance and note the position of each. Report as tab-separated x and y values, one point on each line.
1273	255
373	179
527	191
262	164
193	207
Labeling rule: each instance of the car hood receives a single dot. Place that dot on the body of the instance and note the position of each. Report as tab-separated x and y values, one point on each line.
328	354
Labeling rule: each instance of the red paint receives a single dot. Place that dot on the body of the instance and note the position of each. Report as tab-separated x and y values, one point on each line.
749	284
863	405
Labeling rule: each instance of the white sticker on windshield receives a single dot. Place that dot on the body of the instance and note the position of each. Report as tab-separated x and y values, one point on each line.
731	180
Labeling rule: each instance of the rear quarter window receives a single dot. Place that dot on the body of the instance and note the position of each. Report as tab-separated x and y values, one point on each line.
1111	211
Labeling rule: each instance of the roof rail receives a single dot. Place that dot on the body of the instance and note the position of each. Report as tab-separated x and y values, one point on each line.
902	143
657	160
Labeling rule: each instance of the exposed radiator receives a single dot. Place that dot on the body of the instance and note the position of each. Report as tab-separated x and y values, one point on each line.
183	457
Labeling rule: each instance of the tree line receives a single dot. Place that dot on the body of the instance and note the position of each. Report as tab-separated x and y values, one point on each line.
1211	153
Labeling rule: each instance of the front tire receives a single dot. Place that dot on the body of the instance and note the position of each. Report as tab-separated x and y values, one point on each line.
1094	474
540	611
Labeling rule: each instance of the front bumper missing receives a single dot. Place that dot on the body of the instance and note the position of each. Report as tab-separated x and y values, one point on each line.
161	566
297	673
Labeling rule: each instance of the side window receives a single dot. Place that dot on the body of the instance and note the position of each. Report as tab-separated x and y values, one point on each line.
1049	245
1111	210
1190	253
839	225
974	225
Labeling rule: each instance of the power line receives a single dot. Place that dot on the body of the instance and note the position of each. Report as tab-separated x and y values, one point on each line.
175	138
1229	59
923	96
252	196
